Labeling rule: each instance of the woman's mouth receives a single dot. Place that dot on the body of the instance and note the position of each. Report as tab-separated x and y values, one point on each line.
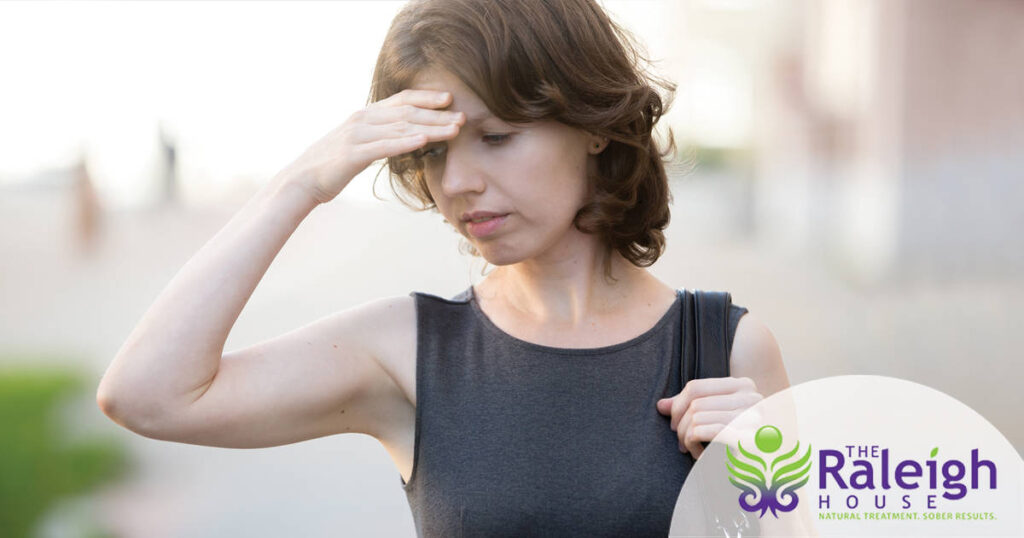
486	226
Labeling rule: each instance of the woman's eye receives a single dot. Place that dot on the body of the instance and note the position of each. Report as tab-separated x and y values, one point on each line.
432	152
427	152
495	139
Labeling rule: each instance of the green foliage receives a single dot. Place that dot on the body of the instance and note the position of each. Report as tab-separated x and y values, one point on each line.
716	158
39	465
692	158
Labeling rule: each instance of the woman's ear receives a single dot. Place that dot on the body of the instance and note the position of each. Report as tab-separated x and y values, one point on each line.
597	144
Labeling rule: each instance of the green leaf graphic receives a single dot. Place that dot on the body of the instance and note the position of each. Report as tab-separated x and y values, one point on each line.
757	478
786	456
784	476
752	456
778	480
934	452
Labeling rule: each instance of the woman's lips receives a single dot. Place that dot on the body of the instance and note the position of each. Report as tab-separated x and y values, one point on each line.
485	228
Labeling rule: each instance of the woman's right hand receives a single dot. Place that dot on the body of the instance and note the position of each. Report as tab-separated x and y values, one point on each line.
401	123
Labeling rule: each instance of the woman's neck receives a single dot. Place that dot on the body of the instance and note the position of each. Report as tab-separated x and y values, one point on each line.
571	292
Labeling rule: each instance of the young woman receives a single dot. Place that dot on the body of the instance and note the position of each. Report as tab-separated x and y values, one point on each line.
538	400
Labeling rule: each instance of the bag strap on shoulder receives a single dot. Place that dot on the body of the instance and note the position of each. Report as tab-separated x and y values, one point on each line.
705	354
705	322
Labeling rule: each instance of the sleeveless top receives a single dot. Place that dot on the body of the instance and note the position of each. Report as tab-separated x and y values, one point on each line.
515	438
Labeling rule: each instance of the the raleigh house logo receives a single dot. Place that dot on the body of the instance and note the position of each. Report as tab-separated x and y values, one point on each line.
776	483
861	468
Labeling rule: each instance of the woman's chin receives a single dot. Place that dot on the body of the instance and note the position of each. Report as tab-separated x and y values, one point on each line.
498	256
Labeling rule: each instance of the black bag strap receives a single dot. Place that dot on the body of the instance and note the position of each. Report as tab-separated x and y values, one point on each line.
705	322
706	354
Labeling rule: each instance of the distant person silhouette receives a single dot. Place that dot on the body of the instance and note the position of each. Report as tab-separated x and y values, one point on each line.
86	208
169	168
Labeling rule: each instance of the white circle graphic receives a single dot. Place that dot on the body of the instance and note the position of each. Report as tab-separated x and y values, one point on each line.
856	455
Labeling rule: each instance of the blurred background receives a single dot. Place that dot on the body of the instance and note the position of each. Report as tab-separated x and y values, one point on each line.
857	184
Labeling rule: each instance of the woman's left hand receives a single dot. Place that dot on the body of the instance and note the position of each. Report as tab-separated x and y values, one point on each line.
705	407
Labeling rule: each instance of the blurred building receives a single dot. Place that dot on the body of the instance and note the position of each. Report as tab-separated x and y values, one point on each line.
887	134
908	114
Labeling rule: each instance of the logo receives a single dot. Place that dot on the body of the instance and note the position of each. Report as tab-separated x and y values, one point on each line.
768	487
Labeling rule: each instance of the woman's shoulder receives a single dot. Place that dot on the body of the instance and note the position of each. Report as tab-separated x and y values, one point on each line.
756	354
389	319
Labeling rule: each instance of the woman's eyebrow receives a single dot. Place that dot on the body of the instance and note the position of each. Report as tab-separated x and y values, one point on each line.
477	118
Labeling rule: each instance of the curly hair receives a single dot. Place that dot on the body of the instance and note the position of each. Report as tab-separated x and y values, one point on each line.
532	60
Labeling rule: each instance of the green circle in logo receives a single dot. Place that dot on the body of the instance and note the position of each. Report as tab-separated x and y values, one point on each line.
768	439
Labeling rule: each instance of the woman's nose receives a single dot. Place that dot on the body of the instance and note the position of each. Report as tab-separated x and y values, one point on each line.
460	175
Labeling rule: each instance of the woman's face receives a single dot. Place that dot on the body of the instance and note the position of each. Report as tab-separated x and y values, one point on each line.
534	173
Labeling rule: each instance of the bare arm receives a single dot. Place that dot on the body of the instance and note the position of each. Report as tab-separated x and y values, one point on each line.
171	378
321	379
174	351
756	354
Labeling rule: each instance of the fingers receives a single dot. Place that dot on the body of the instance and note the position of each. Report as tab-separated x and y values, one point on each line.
694	425
681	409
705	407
702	432
697	388
431	133
424	98
721	409
390	146
705	387
414	114
719	402
413	106
404	122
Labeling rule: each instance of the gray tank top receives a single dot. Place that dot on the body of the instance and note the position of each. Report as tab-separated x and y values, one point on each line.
515	438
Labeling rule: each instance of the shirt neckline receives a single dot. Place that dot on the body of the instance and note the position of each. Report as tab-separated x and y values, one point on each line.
490	325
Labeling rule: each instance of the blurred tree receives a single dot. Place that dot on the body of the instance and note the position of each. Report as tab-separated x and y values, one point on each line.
38	464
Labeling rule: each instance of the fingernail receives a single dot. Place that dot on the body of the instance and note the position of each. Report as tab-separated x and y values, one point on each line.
682	448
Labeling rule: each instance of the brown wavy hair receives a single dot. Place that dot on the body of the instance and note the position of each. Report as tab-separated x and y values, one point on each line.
532	60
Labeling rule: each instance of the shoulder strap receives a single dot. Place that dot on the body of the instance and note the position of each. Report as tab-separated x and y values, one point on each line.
705	335
705	354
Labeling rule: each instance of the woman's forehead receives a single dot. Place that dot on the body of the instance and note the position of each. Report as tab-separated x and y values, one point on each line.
463	98
434	78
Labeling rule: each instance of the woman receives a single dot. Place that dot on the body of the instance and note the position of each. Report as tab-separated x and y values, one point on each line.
538	400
